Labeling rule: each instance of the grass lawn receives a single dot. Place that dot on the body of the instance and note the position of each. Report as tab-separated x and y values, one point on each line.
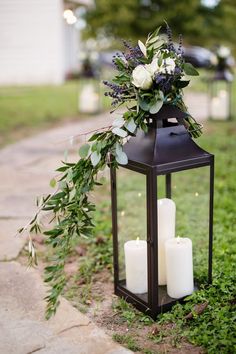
25	110
90	283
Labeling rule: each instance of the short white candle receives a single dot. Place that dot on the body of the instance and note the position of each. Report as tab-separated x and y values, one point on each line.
179	267
136	266
166	230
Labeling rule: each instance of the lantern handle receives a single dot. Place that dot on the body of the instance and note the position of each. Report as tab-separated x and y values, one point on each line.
167	111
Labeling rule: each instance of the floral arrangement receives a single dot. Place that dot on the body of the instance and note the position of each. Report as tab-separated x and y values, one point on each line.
149	75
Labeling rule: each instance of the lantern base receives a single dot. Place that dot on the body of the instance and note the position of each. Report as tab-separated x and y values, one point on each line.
140	301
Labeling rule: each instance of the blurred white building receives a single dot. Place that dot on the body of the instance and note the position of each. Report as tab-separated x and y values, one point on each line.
37	44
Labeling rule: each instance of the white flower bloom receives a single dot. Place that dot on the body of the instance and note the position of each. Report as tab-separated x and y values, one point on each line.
141	77
223	52
168	66
153	67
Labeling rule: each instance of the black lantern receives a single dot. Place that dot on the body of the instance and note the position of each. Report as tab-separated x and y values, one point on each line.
166	162
220	95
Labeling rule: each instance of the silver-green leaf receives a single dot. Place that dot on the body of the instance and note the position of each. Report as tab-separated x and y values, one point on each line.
118	122
156	107
131	126
120	132
95	158
122	158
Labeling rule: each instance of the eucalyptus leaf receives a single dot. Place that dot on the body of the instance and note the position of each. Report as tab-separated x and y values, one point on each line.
131	126
120	132
118	149
156	107
144	105
190	70
95	158
122	158
83	151
118	122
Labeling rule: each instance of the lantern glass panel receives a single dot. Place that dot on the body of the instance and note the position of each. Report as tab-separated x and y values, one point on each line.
220	100
190	192
132	226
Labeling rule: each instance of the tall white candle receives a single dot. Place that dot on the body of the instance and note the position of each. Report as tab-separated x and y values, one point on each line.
136	266
166	230
179	267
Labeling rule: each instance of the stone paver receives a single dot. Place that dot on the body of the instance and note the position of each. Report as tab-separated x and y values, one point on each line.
22	325
26	168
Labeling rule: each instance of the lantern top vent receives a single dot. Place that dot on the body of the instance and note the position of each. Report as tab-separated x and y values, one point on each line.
166	147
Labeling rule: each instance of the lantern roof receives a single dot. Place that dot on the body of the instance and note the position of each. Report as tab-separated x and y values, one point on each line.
165	149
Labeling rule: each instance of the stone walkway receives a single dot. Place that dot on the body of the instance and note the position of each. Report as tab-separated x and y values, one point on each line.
26	168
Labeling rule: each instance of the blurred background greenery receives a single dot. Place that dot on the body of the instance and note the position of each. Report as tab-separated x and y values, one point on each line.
202	22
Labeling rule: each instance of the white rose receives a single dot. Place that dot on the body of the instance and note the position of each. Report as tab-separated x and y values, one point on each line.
152	68
141	77
168	66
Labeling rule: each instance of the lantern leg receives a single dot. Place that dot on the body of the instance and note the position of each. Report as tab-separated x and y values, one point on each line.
114	226
168	186
152	243
211	206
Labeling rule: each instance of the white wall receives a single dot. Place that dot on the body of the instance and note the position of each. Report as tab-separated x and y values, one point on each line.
31	42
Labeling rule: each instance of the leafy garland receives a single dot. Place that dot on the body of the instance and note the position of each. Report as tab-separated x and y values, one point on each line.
149	75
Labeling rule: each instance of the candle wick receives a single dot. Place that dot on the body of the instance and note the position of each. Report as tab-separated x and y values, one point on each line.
137	241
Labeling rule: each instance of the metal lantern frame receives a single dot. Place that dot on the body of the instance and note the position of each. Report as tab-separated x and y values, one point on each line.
220	76
165	149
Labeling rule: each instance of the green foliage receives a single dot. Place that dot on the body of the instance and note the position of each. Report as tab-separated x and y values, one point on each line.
190	70
130	315
97	258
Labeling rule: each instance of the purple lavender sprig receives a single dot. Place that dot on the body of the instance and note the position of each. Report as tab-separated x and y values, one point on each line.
134	54
115	93
164	82
180	50
170	44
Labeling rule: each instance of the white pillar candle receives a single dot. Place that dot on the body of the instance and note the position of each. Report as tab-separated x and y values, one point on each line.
179	267
166	230
136	266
